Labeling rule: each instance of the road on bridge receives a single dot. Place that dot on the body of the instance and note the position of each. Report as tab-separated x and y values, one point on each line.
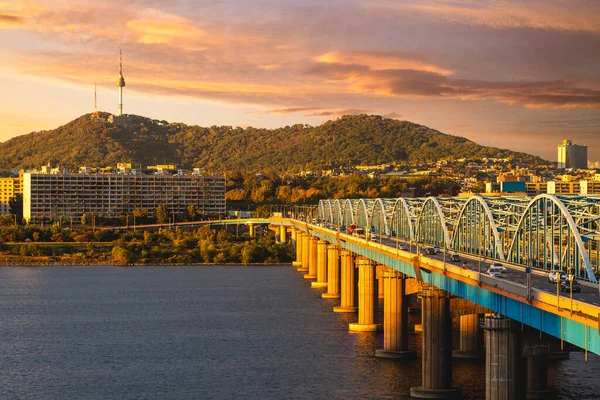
513	273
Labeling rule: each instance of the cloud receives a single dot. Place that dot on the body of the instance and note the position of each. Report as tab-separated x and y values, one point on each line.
9	20
380	61
291	110
562	15
338	113
409	82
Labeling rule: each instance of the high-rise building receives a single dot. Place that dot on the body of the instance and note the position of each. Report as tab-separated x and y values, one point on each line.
54	193
9	187
572	155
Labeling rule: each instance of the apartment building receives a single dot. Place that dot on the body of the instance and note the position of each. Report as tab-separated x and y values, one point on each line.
108	193
9	187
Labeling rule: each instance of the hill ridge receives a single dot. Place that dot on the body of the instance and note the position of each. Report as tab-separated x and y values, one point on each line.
347	141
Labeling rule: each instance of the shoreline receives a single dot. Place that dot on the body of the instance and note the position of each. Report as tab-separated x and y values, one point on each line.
110	264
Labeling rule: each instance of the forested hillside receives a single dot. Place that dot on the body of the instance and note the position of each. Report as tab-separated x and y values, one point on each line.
349	140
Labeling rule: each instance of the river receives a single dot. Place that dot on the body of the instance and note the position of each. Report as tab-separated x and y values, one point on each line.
214	332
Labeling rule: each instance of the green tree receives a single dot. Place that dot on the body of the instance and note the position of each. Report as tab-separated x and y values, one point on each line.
121	256
161	214
15	206
191	213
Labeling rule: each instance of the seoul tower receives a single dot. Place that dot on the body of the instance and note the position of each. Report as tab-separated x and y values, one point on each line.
120	83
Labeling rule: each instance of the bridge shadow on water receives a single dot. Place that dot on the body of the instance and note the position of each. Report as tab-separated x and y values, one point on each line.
369	377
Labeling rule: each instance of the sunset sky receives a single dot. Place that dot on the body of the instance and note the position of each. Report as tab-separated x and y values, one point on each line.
520	74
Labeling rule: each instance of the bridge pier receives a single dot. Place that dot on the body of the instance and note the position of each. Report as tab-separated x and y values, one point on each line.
380	285
537	378
297	242
395	317
282	234
333	273
471	338
348	279
312	258
321	265
251	230
437	347
504	366
305	253
367	297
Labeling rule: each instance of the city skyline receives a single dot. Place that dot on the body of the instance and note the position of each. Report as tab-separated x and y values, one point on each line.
509	74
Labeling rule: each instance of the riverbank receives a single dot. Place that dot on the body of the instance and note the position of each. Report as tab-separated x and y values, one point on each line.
71	262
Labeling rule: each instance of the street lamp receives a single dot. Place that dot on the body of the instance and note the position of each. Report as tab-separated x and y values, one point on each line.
557	290
480	260
571	277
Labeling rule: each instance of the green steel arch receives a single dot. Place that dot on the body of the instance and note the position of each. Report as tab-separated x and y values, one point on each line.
362	214
431	224
381	213
336	212
348	214
548	234
404	218
476	232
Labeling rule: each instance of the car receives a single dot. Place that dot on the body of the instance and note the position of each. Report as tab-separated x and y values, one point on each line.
454	257
552	275
373	236
437	249
403	247
430	251
499	266
494	270
565	286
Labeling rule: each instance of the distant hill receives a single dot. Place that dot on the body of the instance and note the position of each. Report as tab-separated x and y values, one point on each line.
349	140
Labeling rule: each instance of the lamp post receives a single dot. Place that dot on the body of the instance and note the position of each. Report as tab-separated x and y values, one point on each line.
557	290
480	260
571	278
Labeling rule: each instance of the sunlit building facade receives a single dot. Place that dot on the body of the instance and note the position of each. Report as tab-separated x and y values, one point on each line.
572	155
62	194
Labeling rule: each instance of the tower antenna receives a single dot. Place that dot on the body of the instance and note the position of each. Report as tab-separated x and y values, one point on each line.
120	84
95	113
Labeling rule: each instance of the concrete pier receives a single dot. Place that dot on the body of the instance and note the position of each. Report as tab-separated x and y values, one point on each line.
312	258
395	317
305	253
367	298
437	347
537	379
296	235
251	230
282	234
504	366
471	338
321	265
333	273
348	283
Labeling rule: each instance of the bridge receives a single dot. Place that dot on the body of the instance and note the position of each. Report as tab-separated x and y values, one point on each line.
524	317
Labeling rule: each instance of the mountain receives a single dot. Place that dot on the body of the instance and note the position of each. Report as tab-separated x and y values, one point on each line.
349	140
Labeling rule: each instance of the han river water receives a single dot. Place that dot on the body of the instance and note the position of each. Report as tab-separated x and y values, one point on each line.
204	333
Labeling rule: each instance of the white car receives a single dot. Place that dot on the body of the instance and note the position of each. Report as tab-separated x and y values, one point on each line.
403	247
494	270
552	275
499	266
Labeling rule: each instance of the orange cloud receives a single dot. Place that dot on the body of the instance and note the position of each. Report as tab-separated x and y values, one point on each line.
10	20
571	15
380	61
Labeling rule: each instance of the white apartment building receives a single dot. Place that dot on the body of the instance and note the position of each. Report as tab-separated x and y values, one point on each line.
116	193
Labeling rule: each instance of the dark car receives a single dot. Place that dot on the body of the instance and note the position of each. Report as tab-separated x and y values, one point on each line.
454	257
430	250
565	286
